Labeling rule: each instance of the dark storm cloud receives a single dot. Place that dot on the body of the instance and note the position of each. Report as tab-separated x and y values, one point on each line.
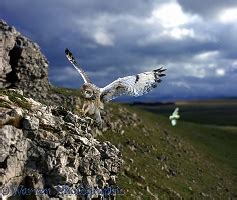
117	38
53	22
206	7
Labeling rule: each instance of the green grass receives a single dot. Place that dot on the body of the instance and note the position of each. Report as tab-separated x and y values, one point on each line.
4	104
203	158
15	97
66	91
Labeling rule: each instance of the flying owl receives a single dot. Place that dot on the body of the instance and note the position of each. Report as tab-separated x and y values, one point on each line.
95	97
175	115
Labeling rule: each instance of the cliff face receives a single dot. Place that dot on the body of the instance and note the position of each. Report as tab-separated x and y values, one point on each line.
46	150
48	147
22	65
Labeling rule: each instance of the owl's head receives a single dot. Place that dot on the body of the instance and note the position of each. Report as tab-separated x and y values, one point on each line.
88	91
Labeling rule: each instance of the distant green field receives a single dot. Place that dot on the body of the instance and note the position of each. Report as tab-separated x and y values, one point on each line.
203	112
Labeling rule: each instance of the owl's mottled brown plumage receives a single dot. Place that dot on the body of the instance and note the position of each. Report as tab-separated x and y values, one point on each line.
94	96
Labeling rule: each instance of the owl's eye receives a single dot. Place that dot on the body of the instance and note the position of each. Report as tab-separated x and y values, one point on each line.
88	92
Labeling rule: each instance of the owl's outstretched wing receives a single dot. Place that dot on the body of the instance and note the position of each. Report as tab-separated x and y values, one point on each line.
76	65
136	85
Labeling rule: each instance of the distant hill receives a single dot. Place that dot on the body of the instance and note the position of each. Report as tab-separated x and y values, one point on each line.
217	101
151	103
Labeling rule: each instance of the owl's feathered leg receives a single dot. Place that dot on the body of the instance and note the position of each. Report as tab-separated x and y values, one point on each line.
98	118
85	108
89	108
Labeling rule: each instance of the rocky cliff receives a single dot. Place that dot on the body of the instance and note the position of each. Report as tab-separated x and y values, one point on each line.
23	66
47	151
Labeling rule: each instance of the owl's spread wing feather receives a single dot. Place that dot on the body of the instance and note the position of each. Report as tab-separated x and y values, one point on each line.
76	66
136	85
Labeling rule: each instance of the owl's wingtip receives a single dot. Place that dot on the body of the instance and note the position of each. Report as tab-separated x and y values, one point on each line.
161	69
67	51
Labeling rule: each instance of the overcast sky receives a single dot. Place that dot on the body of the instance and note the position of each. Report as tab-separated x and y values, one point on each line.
195	40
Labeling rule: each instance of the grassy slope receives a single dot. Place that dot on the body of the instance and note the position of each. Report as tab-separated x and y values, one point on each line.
66	91
189	159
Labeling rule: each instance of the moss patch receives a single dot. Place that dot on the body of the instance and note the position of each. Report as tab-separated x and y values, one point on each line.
16	98
4	104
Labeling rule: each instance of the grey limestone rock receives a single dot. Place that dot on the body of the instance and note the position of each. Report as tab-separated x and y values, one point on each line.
52	148
22	65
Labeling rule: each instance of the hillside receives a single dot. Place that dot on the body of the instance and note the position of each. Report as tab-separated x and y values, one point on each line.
186	161
160	161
